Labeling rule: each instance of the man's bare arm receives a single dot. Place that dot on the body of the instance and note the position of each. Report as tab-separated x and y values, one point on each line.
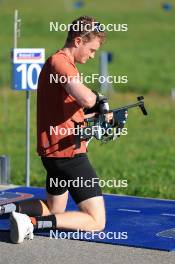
83	95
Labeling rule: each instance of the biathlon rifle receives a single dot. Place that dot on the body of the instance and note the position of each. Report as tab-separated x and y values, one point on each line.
100	128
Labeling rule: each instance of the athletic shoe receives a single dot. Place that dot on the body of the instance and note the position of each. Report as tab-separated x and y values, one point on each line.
20	227
7	208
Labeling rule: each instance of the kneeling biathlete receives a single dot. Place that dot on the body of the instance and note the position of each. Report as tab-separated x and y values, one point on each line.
66	105
61	105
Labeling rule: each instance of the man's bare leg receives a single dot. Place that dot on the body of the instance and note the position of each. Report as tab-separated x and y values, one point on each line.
90	217
54	204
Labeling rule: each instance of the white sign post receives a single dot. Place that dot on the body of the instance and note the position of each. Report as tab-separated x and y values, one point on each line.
27	64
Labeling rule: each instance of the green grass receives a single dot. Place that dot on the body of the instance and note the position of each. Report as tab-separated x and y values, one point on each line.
144	157
145	53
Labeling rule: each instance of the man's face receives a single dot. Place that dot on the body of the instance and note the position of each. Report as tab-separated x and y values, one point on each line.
86	50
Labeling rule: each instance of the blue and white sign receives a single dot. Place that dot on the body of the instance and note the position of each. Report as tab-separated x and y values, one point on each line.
27	64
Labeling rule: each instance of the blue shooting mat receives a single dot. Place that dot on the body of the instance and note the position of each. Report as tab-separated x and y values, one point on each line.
131	221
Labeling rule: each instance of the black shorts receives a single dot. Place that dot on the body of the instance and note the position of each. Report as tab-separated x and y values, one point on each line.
73	174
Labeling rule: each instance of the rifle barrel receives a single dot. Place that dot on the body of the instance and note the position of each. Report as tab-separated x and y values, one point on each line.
141	103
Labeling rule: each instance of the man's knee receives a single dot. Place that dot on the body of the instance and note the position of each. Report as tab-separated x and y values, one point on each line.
57	204
96	209
55	209
100	224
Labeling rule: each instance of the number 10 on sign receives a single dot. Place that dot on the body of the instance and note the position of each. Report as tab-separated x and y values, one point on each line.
27	64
